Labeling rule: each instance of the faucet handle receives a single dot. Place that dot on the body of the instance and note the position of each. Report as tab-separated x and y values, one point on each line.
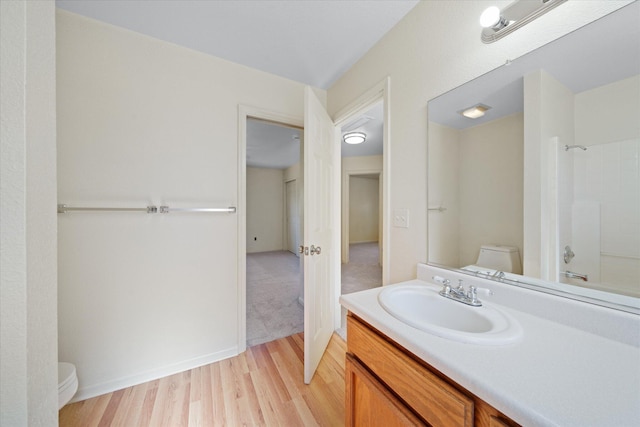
441	280
485	291
473	293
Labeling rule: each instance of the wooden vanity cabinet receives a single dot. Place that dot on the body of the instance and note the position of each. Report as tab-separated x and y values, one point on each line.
385	385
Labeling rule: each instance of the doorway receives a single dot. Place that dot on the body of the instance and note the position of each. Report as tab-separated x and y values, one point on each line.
273	219
362	203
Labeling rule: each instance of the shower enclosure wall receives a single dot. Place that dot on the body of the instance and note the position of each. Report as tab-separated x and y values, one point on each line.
600	216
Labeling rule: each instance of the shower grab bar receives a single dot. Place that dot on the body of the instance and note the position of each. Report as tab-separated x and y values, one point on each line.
572	275
62	208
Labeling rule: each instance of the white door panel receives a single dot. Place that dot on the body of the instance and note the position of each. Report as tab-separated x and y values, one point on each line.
320	224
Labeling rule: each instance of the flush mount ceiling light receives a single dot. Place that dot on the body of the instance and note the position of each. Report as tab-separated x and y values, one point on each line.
497	24
475	112
354	137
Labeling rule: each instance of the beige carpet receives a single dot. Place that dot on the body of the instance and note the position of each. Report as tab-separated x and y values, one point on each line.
274	281
363	271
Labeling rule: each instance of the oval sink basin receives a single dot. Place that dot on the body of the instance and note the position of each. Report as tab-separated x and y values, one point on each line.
425	309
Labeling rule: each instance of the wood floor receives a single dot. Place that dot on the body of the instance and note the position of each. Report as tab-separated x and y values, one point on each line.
261	387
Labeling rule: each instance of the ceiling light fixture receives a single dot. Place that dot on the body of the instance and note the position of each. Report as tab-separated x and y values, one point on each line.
497	24
475	112
354	137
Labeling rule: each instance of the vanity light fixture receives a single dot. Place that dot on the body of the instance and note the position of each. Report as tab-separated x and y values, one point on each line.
354	137
475	112
491	18
497	24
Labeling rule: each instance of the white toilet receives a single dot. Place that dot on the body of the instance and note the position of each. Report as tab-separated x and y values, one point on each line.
67	383
498	257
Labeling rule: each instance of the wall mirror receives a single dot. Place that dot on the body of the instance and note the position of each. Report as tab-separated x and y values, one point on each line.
549	168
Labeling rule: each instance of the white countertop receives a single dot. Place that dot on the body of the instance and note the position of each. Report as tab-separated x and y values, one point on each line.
557	375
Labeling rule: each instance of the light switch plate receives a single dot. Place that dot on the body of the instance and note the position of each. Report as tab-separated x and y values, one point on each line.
401	218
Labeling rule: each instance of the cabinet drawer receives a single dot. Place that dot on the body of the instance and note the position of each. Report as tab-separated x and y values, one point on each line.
435	400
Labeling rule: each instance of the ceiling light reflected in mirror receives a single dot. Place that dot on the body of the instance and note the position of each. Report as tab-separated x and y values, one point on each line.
475	112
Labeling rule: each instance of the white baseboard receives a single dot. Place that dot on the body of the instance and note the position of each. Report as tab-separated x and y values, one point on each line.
87	392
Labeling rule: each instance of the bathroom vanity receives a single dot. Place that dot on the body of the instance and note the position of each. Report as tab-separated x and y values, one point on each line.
377	370
572	364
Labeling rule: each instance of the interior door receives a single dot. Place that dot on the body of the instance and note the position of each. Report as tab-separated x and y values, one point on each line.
320	186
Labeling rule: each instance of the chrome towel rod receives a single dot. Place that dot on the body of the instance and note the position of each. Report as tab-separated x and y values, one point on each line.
167	209
439	209
62	208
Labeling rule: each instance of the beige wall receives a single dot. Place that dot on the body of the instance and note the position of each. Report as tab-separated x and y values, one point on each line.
476	174
608	113
295	173
444	192
265	209
28	322
363	209
491	162
143	121
435	48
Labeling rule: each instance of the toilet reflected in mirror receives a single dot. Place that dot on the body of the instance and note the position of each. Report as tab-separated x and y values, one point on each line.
498	258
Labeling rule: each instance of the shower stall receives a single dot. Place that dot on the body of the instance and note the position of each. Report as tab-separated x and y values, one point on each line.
597	190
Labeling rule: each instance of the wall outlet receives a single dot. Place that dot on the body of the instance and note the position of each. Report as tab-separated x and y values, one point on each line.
401	218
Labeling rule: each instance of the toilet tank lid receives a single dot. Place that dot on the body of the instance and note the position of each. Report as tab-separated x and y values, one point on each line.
499	248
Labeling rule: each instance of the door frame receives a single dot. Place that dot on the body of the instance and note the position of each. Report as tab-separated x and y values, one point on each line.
379	92
246	112
285	225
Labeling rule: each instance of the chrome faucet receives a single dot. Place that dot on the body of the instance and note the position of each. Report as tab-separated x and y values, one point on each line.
498	275
459	294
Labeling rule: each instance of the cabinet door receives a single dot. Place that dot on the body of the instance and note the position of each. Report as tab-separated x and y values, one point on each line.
432	398
498	422
369	403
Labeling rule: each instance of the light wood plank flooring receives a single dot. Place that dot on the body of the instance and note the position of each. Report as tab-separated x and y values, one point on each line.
261	387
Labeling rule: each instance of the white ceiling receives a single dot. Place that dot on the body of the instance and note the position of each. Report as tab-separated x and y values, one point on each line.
310	41
270	145
602	52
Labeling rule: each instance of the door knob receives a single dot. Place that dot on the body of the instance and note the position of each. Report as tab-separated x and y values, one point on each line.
301	249
315	250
